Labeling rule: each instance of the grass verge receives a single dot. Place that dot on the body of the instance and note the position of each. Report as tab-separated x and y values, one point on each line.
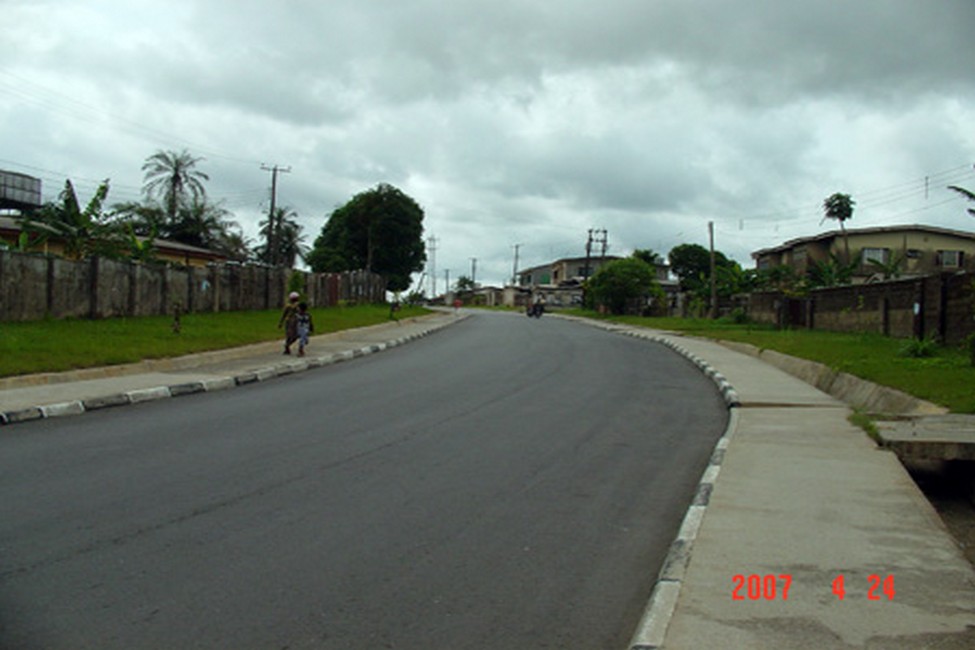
58	345
947	377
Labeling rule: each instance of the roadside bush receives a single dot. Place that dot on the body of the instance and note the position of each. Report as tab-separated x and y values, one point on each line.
738	316
917	348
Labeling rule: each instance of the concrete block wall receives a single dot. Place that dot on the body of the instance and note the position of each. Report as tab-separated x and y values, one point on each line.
941	305
35	286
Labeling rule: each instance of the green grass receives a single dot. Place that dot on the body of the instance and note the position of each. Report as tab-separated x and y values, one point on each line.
865	422
946	377
57	345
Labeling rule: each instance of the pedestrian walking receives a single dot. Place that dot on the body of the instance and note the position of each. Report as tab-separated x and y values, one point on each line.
305	327
289	321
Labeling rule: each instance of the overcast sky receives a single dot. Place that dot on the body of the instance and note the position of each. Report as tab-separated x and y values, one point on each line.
511	121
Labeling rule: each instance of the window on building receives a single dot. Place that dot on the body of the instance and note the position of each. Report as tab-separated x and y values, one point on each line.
950	259
913	254
879	255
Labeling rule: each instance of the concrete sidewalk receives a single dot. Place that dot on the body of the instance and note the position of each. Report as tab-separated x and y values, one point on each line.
795	498
72	393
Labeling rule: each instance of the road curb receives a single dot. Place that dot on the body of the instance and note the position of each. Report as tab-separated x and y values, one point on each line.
652	629
285	368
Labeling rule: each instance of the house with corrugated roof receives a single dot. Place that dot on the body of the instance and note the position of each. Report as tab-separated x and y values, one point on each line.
165	250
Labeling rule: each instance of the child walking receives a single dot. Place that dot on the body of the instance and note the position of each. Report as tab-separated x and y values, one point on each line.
305	327
289	321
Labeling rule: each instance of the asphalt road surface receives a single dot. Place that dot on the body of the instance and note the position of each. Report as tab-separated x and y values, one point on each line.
505	483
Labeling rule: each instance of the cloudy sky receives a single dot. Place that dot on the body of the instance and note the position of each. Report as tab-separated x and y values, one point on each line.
511	121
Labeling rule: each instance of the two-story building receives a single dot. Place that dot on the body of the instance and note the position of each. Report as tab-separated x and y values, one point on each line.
914	250
560	282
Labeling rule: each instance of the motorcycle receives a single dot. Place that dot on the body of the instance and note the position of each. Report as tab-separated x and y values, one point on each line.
535	310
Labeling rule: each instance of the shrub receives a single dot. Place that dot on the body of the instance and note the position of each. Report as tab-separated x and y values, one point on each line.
738	316
917	348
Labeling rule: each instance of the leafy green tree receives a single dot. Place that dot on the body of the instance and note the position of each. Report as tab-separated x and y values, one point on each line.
464	284
967	194
691	263
144	219
840	207
830	272
171	179
648	256
731	279
83	232
200	224
782	278
379	230
235	245
621	282
140	248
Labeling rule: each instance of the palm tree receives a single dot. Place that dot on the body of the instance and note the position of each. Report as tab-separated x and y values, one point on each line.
170	176
840	207
200	224
283	239
144	219
967	194
235	245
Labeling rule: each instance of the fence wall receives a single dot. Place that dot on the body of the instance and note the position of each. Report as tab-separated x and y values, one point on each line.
35	286
936	305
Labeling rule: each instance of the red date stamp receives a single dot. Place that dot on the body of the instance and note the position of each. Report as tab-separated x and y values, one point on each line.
776	587
756	587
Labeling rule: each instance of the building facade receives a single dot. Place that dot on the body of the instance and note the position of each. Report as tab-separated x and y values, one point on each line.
912	250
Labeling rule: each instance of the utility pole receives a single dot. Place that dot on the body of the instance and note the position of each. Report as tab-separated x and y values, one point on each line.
272	228
473	272
432	265
596	236
603	241
588	255
446	279
514	270
714	286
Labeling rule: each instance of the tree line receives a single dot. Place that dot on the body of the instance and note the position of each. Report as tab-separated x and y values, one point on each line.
379	230
620	282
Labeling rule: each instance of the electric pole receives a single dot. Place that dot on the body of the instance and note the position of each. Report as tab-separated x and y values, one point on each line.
473	272
432	265
272	228
599	238
714	286
514	271
585	271
603	241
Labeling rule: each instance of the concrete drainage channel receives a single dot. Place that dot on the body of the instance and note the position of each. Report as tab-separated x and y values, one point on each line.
78	407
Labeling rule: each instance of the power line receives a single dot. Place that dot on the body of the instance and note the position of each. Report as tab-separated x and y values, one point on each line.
64	104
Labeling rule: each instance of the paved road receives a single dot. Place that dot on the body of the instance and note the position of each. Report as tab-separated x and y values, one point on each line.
506	483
